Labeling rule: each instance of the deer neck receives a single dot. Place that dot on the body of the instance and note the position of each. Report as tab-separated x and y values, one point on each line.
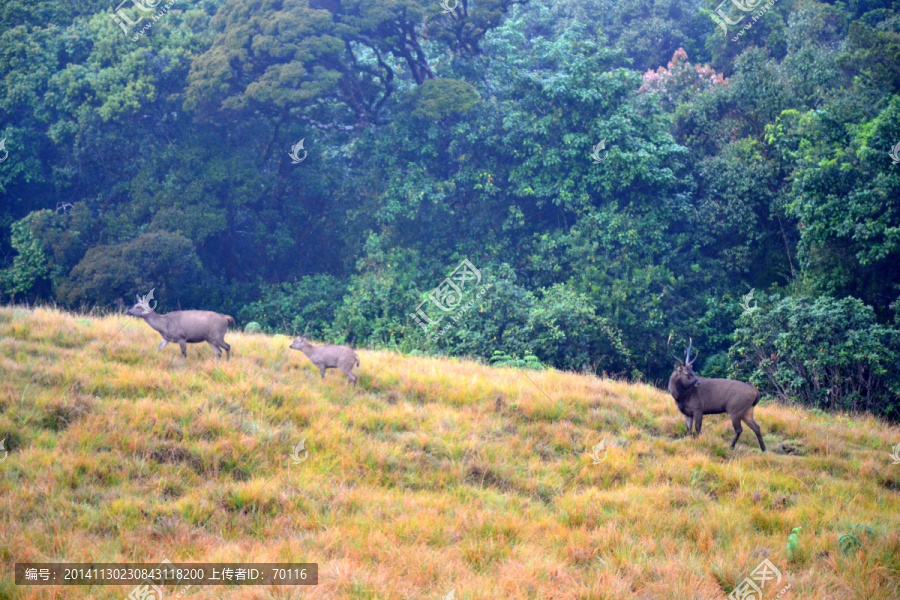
681	393
154	320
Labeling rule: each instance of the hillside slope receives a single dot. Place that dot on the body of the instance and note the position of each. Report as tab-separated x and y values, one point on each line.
433	475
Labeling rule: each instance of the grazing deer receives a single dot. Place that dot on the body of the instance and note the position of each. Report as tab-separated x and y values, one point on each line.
698	396
329	357
185	327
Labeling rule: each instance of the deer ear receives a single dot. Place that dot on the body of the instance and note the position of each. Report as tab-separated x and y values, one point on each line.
137	297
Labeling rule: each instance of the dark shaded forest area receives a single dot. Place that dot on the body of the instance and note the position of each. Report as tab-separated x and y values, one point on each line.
615	171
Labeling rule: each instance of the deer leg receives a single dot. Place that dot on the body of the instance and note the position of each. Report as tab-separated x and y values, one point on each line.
322	371
689	422
350	376
227	347
753	425
215	349
183	348
736	421
698	421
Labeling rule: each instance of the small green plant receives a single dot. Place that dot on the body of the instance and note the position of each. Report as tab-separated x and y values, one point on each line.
793	543
252	327
502	359
850	542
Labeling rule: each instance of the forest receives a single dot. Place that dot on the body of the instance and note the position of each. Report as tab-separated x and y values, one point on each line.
556	183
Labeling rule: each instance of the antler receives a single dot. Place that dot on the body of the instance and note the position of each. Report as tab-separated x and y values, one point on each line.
687	357
669	346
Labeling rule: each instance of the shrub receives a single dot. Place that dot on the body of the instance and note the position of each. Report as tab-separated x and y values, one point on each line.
825	352
162	260
558	324
30	266
565	330
793	543
306	305
529	361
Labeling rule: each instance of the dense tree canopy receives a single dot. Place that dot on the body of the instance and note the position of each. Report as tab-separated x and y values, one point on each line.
616	171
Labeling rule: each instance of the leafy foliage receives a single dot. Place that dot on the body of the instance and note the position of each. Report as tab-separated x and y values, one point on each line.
163	261
529	361
159	157
850	542
304	306
822	352
793	543
30	267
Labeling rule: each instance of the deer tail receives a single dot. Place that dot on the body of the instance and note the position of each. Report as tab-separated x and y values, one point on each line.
230	319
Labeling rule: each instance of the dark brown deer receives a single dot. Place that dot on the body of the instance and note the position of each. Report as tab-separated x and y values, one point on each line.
698	396
185	327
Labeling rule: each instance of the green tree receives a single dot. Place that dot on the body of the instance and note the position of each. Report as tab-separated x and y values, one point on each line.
30	270
821	352
165	261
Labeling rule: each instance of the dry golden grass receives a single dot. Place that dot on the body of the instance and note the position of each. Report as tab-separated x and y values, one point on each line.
434	474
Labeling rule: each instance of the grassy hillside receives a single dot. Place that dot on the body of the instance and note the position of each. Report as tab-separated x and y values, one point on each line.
432	476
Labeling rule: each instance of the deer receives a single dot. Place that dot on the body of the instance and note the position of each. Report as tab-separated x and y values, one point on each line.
329	357
185	327
697	396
